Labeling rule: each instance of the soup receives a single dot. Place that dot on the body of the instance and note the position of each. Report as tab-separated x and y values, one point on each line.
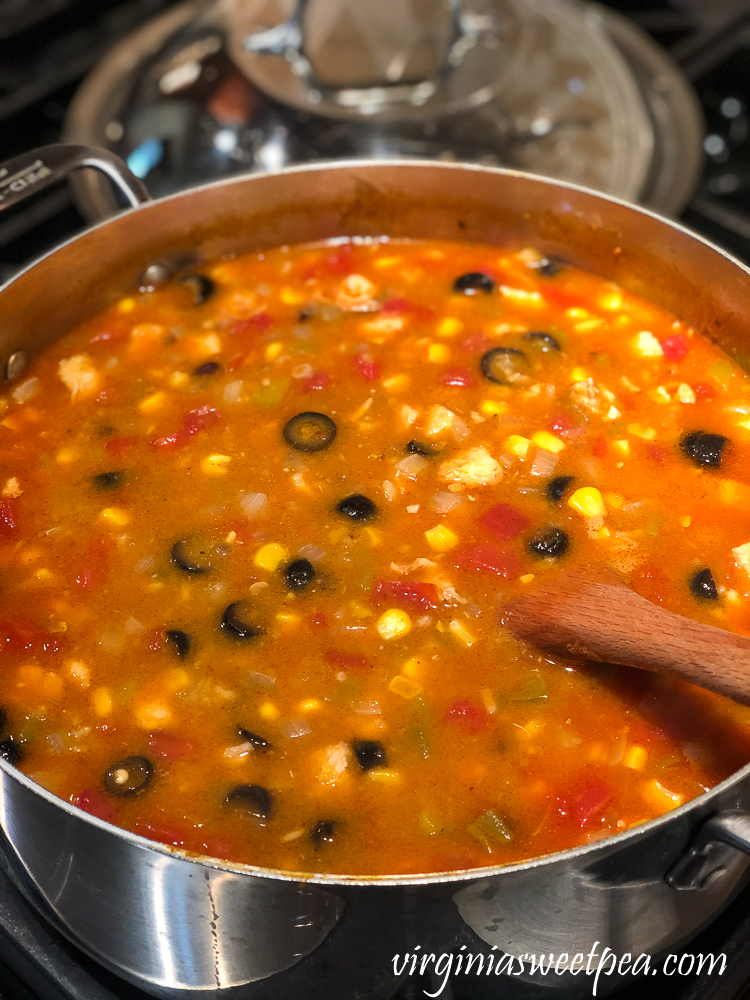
256	526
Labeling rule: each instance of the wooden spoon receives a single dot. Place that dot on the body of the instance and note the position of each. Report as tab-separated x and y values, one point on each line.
588	613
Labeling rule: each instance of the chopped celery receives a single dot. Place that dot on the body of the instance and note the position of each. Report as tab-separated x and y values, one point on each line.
722	371
271	394
535	689
491	828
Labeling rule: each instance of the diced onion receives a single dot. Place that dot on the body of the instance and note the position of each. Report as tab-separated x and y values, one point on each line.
26	389
525	490
145	564
134	627
411	466
264	680
459	430
295	728
303	331
443	501
312	552
233	391
544	463
367	708
241	750
252	504
302	371
55	743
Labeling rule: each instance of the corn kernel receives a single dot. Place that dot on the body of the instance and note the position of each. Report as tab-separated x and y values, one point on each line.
488	700
462	633
271	556
449	327
101	701
622	445
12	488
273	350
660	798
288	618
440	538
383	777
396	383
576	312
67	455
438	353
614	500
685	521
153	403
587	501
543	439
176	680
309	705
611	300
518	445
578	375
374	536
215	465
635	758
268	711
79	672
115	516
526	578
290	297
153	715
43	574
126	305
178	379
647	433
412	668
358	610
393	624
742	554
493	408
404	687
646	344
660	395
685	393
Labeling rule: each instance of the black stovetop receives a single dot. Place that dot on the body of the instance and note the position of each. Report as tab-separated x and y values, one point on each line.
46	47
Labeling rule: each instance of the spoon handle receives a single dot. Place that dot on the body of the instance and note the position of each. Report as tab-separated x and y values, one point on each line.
589	613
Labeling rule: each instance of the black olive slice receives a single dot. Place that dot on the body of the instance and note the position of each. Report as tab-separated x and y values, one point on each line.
704	448
255	800
259	742
191	556
703	585
208	368
473	283
3	723
240	621
422	448
369	754
544	341
299	574
550	543
200	285
310	431
180	641
357	507
555	488
11	751
324	832
129	776
549	267
109	480
504	365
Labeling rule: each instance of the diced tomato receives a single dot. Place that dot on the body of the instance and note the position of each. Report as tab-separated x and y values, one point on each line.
235	363
466	714
161	834
8	518
504	520
155	640
171	442
20	635
366	366
117	445
396	305
475	342
350	661
319	620
564	424
109	337
407	593
340	260
599	447
562	297
258	323
591	800
199	419
218	847
458	376
651	582
318	380
656	452
96	803
482	557
94	559
170	745
675	347
704	391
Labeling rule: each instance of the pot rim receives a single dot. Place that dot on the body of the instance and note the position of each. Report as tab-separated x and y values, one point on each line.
426	878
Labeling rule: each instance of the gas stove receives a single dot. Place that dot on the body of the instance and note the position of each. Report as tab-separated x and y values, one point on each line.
46	48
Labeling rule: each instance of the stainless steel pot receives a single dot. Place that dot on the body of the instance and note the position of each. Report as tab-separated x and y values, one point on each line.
181	926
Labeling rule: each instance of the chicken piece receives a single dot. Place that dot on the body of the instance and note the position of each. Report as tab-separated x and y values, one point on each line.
356	294
79	375
474	467
589	396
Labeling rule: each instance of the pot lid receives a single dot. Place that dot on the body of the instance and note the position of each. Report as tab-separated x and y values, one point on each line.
555	87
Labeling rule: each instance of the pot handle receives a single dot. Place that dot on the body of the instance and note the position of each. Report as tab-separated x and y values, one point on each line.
37	169
706	858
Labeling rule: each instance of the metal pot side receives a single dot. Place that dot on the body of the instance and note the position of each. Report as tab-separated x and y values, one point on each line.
178	926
